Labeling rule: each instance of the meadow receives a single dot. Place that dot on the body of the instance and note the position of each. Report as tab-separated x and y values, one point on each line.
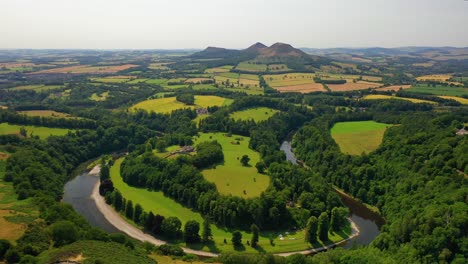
251	67
37	88
438	90
458	99
80	69
257	114
225	68
159	204
46	113
355	138
294	82
169	104
231	177
389	97
237	80
42	132
99	97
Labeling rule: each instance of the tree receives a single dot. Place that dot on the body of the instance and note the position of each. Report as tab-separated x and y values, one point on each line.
104	174
157	224
161	145
138	213
129	209
245	160
338	218
23	132
149	220
311	230
171	227
236	238
206	233
5	245
191	230
64	232
117	200
260	167
254	240
188	99
323	226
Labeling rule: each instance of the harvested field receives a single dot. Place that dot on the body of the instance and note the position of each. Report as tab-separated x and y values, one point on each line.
45	113
435	77
197	80
88	69
225	68
361	85
394	88
303	88
384	97
251	67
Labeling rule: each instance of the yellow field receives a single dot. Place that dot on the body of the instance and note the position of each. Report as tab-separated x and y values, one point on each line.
435	77
226	68
169	104
159	66
100	97
378	96
196	80
290	79
394	88
458	99
46	113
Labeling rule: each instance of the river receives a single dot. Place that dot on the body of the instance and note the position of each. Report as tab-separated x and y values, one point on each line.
366	220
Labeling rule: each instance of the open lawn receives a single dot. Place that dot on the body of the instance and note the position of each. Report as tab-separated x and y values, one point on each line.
159	204
389	97
46	113
169	104
42	132
257	114
354	138
231	177
439	90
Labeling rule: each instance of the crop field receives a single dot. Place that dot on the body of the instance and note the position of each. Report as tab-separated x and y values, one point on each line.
42	132
37	88
197	80
169	104
225	68
394	88
379	96
290	79
257	114
46	113
114	79
88	69
156	81
160	204
248	90
359	137
278	68
439	90
435	77
302	88
160	66
458	99
238	80
99	97
251	67
351	86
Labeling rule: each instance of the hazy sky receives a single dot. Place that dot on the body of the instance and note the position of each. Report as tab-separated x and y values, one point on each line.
153	24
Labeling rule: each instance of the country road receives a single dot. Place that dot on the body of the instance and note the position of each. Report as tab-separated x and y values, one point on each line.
118	222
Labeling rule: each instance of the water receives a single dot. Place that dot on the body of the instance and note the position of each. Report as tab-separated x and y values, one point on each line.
367	221
78	193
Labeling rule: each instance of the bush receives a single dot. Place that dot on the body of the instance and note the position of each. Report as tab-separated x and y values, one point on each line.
172	250
64	232
5	245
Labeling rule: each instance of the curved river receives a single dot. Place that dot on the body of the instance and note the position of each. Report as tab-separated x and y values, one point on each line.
367	221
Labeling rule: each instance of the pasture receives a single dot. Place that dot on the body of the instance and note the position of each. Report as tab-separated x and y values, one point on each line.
294	82
99	97
359	137
42	132
278	68
435	77
438	90
81	69
37	88
159	204
250	66
257	114
351	86
394	88
46	113
225	68
385	97
231	177
169	104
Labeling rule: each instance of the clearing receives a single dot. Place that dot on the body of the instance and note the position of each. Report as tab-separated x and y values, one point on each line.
46	113
169	104
42	132
257	114
354	138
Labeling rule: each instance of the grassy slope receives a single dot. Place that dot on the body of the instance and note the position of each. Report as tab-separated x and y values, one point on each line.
169	104
42	132
379	96
257	114
46	113
159	204
439	90
357	137
231	177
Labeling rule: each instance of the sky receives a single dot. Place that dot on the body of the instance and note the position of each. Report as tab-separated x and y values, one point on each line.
180	24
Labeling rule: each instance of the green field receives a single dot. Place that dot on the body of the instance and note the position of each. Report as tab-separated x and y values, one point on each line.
46	113
390	97
37	88
169	104
231	177
257	114
160	204
251	67
42	132
438	90
225	68
99	97
354	138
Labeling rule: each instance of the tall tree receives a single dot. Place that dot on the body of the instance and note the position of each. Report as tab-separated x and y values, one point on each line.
171	227
323	226
191	230
236	238
311	230
206	233
129	209
254	229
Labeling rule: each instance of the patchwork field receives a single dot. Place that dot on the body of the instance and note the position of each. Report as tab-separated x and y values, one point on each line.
389	97
351	86
394	88
439	90
169	104
251	67
355	138
160	204
458	99
294	82
88	69
277	68
46	113
257	114
42	132
225	68
231	177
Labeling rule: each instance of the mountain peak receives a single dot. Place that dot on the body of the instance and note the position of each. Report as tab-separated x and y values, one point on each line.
256	46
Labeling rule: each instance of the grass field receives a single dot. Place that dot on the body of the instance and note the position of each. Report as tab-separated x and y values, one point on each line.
42	132
99	97
88	69
237	80
37	88
394	88
294	82
435	77
351	86
169	104
225	68
251	67
278	68
439	90
159	204
46	113
354	138
114	79
389	97
458	99
14	214
257	114
231	177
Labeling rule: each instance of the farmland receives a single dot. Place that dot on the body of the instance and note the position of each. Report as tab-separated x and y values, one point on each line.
351	86
394	88
82	69
251	67
385	97
231	177
42	132
99	97
439	90
46	113
294	82
38	88
257	114
355	138
169	104
458	99
225	68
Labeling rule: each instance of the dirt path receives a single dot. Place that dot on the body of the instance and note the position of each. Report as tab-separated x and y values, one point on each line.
118	222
